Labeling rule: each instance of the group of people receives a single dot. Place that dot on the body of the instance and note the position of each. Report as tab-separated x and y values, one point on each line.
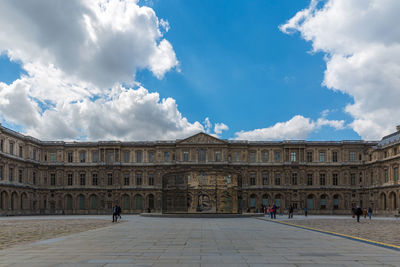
116	213
270	210
359	211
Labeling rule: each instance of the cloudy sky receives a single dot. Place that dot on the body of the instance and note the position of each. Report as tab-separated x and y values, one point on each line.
152	69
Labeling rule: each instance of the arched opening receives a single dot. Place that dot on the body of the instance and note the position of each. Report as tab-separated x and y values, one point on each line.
14	201
392	201
278	201
310	202
139	202
151	201
265	200
81	199
4	200
126	202
24	202
93	202
68	202
253	201
383	201
336	202
323	202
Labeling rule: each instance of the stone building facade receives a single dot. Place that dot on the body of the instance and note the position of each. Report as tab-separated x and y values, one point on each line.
199	174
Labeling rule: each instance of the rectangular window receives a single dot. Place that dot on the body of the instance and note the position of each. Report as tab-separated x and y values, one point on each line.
396	173
264	156
139	156
52	157
185	156
352	179
139	178
217	156
277	156
82	156
252	157
20	151
309	156
19	176
292	156
1	172
294	178
83	179
202	155
322	179
12	148
69	179
252	178
395	151
1	145
309	179
94	179
236	156
151	156
110	157
70	157
10	174
321	156
126	156
166	156
126	179
334	156
352	156
109	179
151	179
95	156
265	178
53	179
277	178
386	175
335	179
34	154
34	178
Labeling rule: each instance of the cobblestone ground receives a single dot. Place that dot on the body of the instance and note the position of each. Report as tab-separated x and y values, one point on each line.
15	232
387	231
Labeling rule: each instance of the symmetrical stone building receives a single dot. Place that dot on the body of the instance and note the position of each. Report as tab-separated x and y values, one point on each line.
200	174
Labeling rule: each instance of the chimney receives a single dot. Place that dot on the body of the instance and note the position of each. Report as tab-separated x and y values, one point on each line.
398	128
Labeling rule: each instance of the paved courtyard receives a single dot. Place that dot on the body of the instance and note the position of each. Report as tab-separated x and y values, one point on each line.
198	242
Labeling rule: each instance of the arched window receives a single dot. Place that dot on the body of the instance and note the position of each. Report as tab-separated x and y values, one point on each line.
151	201
68	201
93	202
126	202
4	200
265	200
24	201
81	202
336	202
139	202
253	199
14	199
310	202
323	202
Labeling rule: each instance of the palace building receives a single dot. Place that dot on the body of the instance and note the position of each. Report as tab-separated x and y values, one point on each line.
199	174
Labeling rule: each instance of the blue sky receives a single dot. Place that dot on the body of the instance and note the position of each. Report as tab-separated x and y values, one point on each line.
236	67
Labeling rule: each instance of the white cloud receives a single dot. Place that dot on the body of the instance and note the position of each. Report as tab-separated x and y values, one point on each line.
297	128
77	54
361	40
219	127
97	41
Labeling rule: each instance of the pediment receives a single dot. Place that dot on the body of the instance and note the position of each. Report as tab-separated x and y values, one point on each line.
201	138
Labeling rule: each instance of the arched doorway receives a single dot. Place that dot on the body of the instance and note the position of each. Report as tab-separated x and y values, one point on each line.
310	202
24	201
392	201
126	205
253	201
93	202
14	201
4	200
138	202
336	202
383	201
68	202
151	201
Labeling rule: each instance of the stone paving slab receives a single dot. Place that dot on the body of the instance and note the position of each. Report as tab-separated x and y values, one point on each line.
142	241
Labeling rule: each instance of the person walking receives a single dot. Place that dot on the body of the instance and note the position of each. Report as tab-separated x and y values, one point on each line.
305	211
119	210
114	218
271	212
365	213
370	212
290	212
274	210
358	213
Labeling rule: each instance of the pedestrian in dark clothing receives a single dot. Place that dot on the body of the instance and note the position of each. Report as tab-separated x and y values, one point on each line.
115	214
305	212
119	212
274	207
370	212
358	213
290	211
